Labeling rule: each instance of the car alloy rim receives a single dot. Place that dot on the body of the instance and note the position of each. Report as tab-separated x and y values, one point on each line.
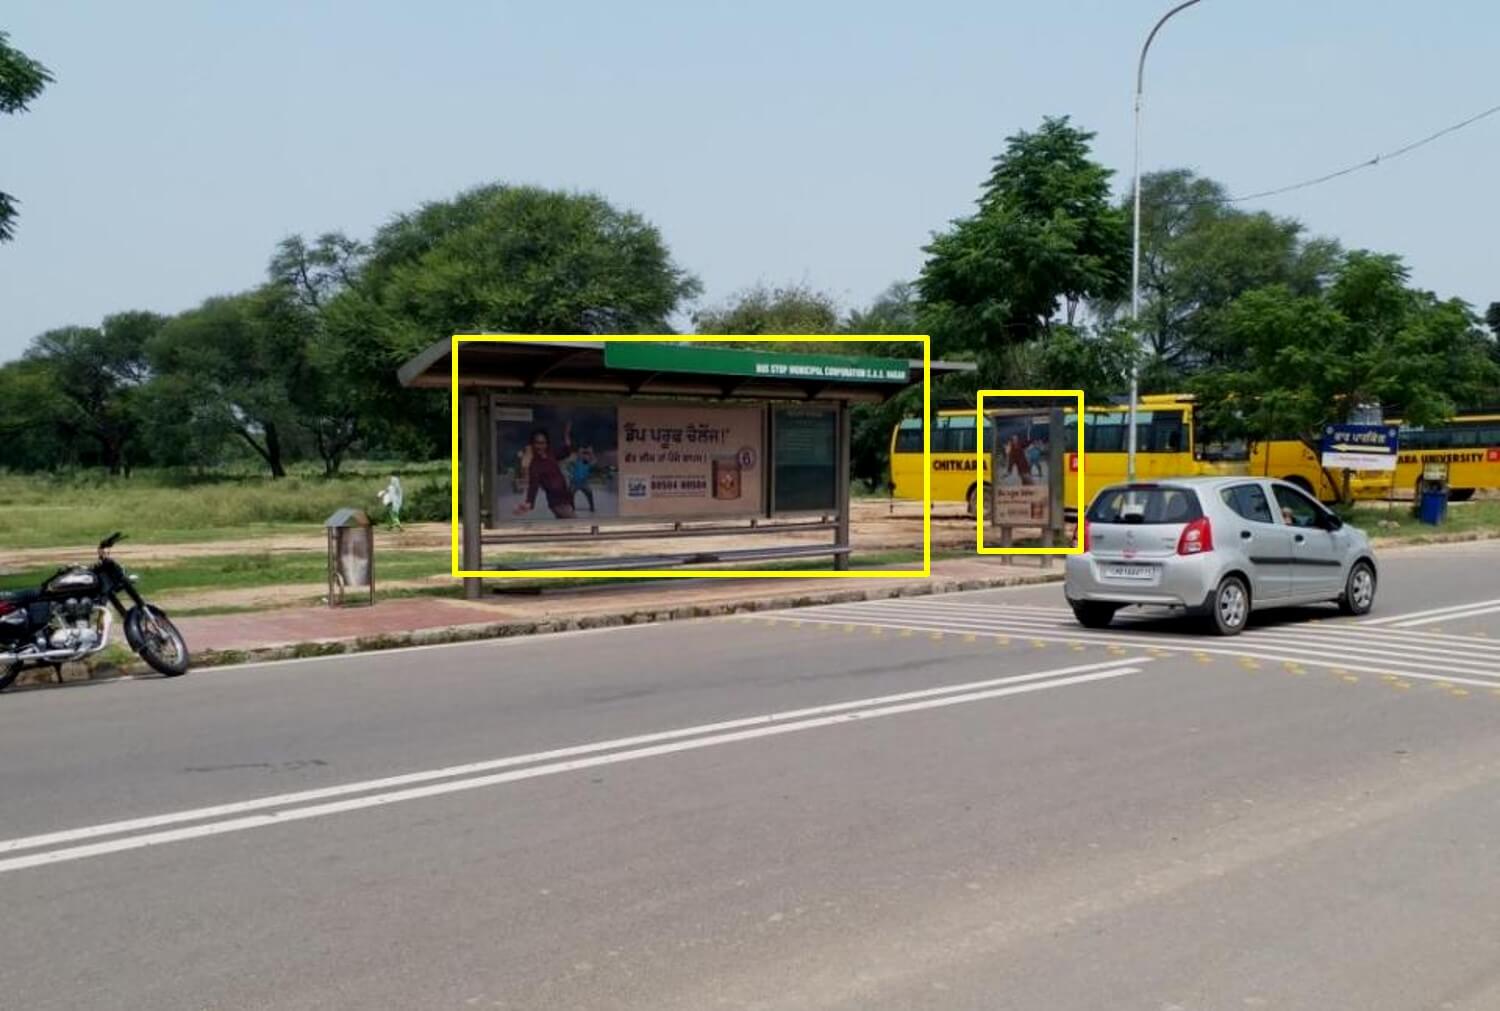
1364	587
1232	605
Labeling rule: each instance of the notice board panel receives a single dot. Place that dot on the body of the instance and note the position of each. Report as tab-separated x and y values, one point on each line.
805	457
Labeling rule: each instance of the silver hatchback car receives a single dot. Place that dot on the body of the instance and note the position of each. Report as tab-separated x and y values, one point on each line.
1218	547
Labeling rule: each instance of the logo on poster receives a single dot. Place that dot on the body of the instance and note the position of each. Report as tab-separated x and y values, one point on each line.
637	488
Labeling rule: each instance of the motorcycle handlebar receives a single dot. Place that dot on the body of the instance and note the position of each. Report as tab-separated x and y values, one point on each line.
111	541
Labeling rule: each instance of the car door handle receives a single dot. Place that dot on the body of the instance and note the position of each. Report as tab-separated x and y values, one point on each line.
1245	534
1299	538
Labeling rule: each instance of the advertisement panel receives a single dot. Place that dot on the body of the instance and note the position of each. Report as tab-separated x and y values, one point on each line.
1021	505
555	462
690	460
1021	443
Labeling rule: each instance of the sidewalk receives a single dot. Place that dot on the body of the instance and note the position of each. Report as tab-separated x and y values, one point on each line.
315	631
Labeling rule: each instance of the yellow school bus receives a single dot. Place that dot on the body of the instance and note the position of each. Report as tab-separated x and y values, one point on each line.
1168	444
1469	444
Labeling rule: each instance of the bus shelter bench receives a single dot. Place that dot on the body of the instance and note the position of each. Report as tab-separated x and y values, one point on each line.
676	560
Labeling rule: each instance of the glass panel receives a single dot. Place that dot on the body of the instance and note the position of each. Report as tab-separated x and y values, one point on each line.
1297	509
1145	506
1249	501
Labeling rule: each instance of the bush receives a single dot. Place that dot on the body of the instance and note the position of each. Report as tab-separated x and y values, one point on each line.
429	503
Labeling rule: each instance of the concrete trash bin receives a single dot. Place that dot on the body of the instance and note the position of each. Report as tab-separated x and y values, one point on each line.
351	558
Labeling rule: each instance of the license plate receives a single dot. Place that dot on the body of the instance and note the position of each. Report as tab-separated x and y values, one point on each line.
1143	572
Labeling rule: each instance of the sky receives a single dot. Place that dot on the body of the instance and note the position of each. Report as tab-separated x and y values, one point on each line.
817	142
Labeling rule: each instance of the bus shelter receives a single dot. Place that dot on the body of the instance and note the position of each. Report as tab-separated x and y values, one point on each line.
593	441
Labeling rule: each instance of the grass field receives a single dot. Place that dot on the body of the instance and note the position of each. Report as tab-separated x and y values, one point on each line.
1462	517
229	572
39	511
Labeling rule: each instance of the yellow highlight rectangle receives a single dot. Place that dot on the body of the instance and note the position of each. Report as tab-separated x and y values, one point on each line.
979	499
458	572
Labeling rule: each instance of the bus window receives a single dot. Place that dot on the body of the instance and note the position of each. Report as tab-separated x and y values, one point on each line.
1161	432
909	436
1104	432
955	435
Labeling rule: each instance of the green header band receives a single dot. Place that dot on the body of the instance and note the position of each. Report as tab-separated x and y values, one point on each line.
758	364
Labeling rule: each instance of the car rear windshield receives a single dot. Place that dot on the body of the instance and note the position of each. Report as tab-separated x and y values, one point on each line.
1145	504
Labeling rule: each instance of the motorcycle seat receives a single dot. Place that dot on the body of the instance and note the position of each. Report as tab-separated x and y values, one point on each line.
20	597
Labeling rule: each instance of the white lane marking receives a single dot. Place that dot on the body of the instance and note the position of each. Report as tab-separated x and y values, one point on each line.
1279	654
1354	632
1449	616
1391	644
1393	618
1120	668
472	768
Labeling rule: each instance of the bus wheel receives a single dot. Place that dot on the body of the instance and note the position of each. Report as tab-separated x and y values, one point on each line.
970	498
1460	494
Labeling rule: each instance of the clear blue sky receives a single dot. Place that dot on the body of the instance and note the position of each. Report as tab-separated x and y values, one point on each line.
819	142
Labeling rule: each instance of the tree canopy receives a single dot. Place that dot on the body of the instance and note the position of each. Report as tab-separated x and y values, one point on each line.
1303	361
22	79
1045	240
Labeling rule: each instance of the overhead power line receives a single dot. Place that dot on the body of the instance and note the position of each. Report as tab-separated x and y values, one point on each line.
1367	163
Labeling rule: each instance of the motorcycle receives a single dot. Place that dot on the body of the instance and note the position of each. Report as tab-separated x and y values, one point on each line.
68	618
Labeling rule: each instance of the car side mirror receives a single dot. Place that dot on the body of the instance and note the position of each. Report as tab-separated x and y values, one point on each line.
1331	521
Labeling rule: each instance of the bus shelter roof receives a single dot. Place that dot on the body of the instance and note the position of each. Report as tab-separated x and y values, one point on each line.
639	368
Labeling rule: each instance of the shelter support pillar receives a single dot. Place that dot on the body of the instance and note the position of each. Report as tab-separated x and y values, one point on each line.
470	475
841	483
1057	483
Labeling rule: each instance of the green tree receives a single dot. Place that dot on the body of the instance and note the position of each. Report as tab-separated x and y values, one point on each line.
793	309
1312	360
97	373
517	259
22	79
1199	253
328	400
894	310
242	356
1045	241
31	407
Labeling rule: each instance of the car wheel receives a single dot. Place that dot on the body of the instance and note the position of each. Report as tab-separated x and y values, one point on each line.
1359	589
1092	614
1229	608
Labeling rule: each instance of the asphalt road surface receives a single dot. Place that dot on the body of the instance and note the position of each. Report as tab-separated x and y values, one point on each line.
955	802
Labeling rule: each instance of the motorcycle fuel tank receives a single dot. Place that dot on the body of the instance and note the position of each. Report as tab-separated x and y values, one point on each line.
73	580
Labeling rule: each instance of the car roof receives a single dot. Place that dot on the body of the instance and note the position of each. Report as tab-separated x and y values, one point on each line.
1205	481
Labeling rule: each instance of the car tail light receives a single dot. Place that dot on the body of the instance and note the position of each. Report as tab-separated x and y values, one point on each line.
1088	536
1197	537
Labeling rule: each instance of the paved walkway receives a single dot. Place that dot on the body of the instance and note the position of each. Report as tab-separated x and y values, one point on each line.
420	617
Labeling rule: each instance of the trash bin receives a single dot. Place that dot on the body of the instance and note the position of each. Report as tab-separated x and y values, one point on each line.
1432	492
351	557
1432	506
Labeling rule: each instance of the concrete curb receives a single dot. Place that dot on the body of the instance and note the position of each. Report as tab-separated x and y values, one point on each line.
100	671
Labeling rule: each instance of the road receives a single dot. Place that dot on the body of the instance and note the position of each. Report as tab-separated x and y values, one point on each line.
957	802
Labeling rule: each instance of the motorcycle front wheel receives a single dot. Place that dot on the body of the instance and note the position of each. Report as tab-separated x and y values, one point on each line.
151	634
8	675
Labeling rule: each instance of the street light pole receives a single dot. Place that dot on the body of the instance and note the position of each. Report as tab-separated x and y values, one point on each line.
1135	245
